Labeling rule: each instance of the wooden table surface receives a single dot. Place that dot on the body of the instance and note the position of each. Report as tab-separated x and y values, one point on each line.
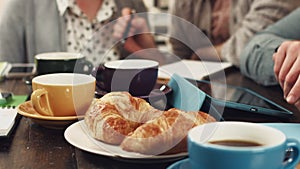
32	146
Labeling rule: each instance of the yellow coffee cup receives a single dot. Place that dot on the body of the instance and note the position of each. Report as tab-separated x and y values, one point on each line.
62	94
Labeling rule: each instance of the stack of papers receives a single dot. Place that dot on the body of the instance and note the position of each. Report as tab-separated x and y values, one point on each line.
192	69
8	114
7	118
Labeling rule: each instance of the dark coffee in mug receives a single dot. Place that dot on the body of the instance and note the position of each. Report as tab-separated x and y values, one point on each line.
270	155
236	143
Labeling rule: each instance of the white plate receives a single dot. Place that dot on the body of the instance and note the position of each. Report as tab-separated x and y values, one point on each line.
77	135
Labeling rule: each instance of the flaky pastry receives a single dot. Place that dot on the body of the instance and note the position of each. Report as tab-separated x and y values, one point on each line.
120	119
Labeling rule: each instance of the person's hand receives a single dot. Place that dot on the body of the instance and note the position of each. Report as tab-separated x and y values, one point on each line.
220	26
287	69
138	24
139	40
136	38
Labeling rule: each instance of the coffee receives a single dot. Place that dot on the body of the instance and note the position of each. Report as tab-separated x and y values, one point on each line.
267	148
236	143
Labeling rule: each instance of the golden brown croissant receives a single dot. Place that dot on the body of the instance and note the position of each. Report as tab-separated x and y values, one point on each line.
117	114
164	134
118	118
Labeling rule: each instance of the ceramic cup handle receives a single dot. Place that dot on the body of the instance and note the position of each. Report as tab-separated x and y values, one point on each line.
40	102
98	74
87	66
294	146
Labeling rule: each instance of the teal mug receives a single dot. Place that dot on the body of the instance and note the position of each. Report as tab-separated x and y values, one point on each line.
62	62
240	145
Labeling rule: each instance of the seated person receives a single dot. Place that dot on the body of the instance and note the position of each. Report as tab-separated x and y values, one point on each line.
273	57
30	27
228	25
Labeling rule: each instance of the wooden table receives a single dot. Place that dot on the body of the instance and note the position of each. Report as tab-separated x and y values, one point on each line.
33	147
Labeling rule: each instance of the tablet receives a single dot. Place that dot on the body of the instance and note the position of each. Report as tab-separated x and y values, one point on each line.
239	99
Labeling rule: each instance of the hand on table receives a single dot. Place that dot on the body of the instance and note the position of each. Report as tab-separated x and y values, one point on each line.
287	69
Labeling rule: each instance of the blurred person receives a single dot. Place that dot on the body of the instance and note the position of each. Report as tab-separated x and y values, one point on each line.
273	57
30	27
229	24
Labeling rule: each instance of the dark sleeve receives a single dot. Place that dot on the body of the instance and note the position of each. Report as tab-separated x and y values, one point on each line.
288	27
256	58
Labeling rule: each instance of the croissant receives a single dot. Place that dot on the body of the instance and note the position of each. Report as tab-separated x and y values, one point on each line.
165	134
120	119
116	114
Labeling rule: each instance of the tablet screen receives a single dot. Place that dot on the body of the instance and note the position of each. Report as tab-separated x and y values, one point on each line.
236	95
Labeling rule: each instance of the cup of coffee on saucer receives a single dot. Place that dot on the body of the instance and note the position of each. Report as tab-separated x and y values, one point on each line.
137	76
239	145
62	62
62	94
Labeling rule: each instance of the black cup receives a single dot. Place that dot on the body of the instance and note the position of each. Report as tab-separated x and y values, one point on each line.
62	62
137	76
